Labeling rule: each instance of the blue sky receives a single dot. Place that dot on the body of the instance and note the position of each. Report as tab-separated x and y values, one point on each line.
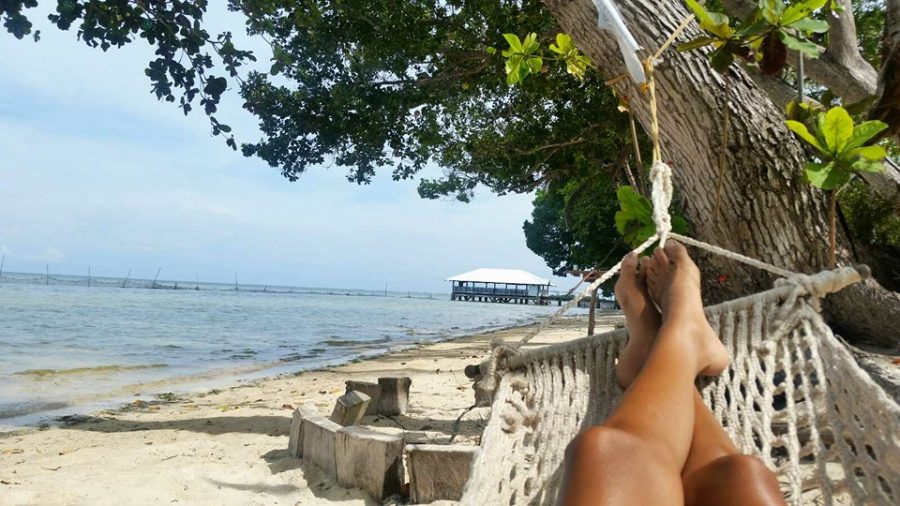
94	171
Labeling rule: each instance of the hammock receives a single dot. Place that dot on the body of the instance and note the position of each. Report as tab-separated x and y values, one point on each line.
792	396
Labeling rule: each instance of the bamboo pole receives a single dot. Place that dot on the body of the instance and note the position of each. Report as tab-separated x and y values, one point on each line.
126	278
592	311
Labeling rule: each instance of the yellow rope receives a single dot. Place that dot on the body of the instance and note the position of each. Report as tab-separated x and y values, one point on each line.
684	24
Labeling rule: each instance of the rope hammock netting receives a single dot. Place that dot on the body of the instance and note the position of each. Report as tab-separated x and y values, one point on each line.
793	395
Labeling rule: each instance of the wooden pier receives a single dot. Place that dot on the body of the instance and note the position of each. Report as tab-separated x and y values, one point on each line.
505	286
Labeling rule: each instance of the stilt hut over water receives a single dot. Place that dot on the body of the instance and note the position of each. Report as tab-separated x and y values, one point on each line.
500	285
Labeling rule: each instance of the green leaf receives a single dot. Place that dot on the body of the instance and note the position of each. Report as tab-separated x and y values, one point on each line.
577	64
801	130
491	50
810	25
806	47
514	43
858	108
865	131
513	69
696	43
563	44
530	44
801	10
826	176
836	129
873	153
535	63
721	59
699	11
864	165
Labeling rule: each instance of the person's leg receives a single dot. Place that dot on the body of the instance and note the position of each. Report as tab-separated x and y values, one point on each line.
717	473
637	455
714	466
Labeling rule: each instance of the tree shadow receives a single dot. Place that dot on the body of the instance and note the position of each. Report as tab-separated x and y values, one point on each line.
259	488
267	425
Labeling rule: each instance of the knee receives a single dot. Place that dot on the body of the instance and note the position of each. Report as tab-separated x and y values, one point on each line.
733	479
598	441
746	466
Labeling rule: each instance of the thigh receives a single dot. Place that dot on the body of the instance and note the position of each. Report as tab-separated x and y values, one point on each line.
735	480
609	467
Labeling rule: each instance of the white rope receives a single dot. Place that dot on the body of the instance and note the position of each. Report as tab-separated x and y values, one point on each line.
661	196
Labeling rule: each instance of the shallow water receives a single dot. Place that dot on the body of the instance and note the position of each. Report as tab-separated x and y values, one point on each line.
66	347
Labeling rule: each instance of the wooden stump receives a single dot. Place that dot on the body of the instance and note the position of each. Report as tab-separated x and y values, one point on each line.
394	395
319	435
370	460
373	390
350	408
295	441
438	472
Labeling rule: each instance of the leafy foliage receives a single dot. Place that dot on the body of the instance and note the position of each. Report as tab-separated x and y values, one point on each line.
183	67
407	85
871	218
526	57
634	220
573	226
762	38
841	147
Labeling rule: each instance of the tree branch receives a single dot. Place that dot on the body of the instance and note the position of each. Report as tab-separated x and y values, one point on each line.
841	68
556	145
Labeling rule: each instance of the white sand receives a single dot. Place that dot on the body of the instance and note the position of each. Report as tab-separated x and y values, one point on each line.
230	447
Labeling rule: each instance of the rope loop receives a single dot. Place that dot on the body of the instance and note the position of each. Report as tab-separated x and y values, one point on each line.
500	352
661	195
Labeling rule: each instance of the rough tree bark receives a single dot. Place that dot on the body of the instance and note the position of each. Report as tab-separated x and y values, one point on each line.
767	210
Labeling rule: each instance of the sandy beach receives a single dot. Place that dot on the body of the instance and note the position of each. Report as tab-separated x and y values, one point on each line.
230	446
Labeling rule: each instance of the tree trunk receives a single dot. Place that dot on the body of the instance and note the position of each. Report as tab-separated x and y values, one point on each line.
767	210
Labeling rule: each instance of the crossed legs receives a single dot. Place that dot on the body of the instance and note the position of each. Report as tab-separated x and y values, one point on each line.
662	445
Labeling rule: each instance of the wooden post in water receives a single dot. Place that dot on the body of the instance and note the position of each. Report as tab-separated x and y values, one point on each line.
198	282
155	278
591	311
126	278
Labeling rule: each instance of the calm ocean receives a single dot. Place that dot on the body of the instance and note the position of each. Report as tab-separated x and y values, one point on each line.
68	348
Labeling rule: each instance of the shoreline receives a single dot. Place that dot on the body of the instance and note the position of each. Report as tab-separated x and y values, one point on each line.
189	384
229	445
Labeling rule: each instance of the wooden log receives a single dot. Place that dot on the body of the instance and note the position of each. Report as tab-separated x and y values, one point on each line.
373	390
370	460
438	472
295	441
394	395
350	408
319	434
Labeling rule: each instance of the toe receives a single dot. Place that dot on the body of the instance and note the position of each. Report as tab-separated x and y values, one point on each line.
675	251
661	259
629	264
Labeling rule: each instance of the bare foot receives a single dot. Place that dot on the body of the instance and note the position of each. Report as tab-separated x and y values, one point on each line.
673	280
641	319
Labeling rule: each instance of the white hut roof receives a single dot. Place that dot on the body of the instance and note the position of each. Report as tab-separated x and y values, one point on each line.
510	276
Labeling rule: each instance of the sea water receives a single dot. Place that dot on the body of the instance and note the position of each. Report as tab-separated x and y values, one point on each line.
71	345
